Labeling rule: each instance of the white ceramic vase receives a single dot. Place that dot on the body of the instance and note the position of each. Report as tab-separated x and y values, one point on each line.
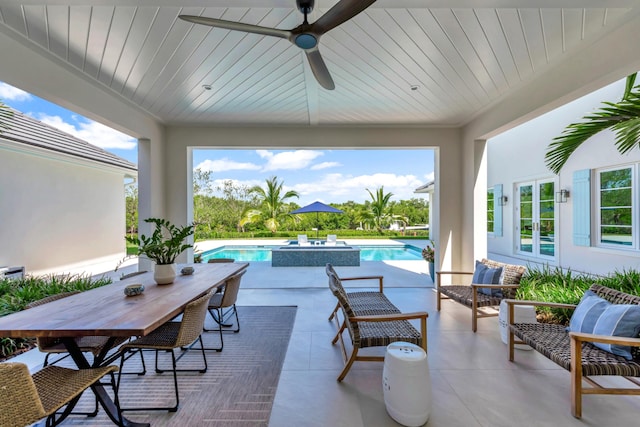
164	274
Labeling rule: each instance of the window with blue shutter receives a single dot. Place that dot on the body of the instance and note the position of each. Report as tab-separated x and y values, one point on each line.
581	195
497	210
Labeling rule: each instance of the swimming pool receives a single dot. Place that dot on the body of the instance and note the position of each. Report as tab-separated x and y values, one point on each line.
367	253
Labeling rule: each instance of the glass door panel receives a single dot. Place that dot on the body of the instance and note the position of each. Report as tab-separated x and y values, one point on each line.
546	208
526	218
536	219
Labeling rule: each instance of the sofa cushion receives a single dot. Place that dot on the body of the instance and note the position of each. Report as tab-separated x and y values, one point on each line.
488	276
587	312
619	320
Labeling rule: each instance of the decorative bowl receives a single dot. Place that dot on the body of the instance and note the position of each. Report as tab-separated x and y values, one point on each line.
187	271
133	290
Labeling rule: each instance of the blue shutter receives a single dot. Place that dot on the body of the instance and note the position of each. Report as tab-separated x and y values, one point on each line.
497	210
581	207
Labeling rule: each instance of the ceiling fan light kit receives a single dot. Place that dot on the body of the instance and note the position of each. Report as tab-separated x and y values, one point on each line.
305	36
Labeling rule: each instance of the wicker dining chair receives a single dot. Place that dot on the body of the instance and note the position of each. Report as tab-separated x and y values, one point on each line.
225	300
168	337
26	398
50	346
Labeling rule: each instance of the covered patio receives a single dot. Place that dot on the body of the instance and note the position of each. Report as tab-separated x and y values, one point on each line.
473	382
136	67
470	81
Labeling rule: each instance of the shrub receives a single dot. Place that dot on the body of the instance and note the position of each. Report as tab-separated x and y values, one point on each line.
564	286
15	294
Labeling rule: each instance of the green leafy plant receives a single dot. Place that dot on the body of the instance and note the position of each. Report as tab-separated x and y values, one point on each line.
429	252
565	286
165	244
15	294
623	118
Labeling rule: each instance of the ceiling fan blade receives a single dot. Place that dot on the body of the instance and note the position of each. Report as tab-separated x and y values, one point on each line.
341	12
237	26
320	70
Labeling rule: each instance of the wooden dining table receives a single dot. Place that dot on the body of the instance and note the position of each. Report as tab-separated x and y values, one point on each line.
106	311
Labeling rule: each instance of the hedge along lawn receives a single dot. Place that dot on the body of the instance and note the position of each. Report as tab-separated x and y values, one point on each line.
564	286
15	294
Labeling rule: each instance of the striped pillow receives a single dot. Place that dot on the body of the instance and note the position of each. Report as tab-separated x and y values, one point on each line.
487	276
618	320
587	312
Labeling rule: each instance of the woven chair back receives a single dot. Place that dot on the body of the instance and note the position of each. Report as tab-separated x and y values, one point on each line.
614	296
193	320
231	288
511	275
335	284
20	403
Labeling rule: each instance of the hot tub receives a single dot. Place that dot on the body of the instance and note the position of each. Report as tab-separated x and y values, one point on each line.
315	256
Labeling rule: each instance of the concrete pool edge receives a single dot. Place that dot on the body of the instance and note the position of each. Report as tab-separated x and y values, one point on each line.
315	256
262	250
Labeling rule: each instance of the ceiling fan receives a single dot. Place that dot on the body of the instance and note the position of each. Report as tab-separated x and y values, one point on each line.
306	36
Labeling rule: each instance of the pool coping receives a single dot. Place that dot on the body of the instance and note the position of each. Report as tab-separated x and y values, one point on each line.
211	245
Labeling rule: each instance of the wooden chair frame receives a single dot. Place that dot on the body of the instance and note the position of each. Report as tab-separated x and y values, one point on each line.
481	305
577	339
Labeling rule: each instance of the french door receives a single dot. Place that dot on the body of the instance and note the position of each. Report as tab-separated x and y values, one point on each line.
536	219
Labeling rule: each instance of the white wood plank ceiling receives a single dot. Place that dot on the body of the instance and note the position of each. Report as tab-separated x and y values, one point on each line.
461	59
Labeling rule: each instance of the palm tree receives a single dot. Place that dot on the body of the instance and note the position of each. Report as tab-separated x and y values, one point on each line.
623	118
378	207
272	204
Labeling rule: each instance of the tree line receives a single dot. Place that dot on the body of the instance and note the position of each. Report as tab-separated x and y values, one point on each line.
233	210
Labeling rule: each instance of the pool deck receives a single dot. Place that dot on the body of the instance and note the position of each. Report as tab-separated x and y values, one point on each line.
261	275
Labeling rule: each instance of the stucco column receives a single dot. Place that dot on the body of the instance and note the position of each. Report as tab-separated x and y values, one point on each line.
151	188
179	178
449	206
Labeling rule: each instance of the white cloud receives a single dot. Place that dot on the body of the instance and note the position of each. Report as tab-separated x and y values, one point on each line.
429	177
225	164
325	165
92	132
288	160
11	93
342	188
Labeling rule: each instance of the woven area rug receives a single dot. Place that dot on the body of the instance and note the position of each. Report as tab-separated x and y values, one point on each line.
237	390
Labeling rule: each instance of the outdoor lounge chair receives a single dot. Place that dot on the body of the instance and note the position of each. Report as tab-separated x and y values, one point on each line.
471	296
331	240
377	326
168	337
26	398
303	240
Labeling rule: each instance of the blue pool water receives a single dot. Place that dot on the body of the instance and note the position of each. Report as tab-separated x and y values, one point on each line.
367	253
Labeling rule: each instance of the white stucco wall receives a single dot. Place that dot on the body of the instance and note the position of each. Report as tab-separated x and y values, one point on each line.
58	214
518	155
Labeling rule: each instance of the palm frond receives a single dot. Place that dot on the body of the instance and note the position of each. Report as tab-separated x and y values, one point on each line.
621	117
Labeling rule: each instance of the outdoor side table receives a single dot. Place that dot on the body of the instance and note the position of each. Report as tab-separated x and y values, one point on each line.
521	314
406	384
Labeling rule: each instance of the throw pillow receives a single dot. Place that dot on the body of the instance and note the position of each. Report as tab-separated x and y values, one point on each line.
618	320
487	276
587	312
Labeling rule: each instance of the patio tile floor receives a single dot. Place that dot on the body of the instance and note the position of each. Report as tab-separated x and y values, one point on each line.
473	382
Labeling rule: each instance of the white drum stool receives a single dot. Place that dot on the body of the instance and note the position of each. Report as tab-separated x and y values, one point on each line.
406	384
521	314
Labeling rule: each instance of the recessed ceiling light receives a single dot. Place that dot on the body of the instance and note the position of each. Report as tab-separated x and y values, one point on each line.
206	87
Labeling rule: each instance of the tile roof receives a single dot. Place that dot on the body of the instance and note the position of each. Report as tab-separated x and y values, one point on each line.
29	131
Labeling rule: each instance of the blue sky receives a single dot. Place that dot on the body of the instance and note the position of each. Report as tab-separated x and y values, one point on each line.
331	176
